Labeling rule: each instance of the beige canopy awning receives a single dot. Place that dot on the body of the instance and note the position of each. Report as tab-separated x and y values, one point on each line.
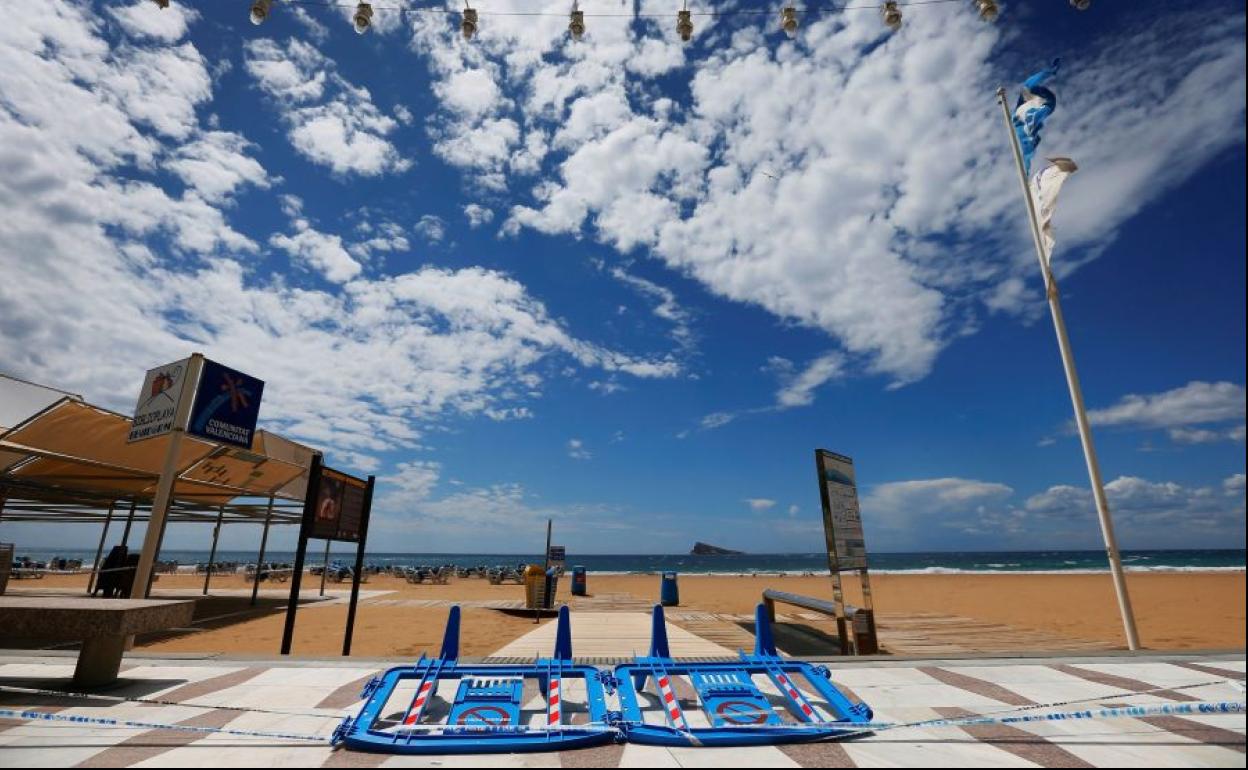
72	453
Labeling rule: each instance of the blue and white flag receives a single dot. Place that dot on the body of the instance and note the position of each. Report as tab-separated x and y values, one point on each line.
1035	104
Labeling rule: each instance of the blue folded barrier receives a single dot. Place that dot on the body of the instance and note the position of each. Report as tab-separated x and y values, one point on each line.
735	711
406	709
486	714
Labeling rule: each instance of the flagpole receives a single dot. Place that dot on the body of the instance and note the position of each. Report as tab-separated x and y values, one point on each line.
1076	393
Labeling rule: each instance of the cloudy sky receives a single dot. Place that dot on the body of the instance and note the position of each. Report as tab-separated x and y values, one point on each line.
632	284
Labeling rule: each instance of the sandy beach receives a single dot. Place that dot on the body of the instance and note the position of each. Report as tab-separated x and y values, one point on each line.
1175	611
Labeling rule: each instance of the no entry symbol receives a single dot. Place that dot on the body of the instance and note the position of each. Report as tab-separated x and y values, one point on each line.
740	712
485	715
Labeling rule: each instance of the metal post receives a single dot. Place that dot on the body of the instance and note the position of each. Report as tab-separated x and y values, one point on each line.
95	568
125	533
264	541
359	567
1076	393
305	526
164	488
325	568
212	555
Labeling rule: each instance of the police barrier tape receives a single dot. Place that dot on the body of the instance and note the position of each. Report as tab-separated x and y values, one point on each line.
1122	712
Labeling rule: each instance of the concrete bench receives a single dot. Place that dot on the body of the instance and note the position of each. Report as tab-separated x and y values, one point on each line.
102	625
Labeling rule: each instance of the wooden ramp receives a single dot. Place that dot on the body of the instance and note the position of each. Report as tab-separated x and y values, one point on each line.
932	634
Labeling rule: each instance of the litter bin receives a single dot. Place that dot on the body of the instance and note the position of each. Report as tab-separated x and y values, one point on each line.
534	586
578	581
669	594
552	586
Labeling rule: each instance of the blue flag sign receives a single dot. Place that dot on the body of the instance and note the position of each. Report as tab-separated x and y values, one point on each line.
227	404
1035	104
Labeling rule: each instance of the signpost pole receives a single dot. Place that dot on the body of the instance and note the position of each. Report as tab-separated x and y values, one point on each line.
296	578
548	524
164	488
834	567
359	566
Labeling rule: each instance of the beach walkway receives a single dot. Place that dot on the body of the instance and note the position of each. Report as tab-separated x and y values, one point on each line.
609	635
309	697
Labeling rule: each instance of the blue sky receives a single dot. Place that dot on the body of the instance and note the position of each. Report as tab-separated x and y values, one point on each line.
631	284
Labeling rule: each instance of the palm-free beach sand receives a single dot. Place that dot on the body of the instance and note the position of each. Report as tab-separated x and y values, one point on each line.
1175	610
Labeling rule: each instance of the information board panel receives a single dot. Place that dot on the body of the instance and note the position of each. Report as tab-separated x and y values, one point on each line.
338	511
841	517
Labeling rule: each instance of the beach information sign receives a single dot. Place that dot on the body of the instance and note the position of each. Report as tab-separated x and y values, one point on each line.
338	513
227	405
841	518
158	402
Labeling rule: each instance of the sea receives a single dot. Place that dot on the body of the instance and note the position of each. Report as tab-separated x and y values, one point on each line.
942	562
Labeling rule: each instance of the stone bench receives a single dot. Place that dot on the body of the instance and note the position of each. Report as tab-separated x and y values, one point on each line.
102	625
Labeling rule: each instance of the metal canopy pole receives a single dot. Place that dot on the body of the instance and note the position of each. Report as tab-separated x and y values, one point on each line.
95	568
125	533
264	541
1076	392
164	489
212	555
325	566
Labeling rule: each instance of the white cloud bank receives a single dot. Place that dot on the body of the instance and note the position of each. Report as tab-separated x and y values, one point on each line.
851	181
927	514
117	273
330	121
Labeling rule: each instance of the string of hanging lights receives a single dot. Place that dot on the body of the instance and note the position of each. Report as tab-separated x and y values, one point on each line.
890	11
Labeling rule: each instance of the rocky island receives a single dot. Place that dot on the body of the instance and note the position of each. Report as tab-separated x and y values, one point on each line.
705	549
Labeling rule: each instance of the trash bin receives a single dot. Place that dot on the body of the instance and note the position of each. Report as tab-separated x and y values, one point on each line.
578	581
552	586
669	594
534	586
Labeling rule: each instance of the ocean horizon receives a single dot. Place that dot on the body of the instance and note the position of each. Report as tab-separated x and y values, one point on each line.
921	562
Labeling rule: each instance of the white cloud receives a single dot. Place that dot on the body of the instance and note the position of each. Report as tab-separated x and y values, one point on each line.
666	306
215	165
851	181
1159	511
760	504
1205	435
321	251
577	450
716	420
478	215
1195	403
330	121
130	275
141	20
431	228
799	388
410	485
